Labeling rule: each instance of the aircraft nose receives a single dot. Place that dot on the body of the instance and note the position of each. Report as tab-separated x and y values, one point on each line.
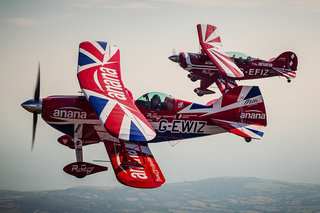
33	106
174	58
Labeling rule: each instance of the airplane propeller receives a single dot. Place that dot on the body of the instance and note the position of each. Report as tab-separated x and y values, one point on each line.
174	57
34	106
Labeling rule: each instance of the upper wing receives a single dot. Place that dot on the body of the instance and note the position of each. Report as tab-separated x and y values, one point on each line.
210	41
134	164
100	79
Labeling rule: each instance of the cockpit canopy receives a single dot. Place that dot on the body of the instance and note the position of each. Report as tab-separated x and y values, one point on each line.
156	101
239	58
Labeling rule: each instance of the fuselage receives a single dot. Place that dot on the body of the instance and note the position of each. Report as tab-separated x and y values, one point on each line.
64	113
201	66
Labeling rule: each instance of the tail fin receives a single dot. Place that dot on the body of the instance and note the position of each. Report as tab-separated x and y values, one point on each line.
241	111
286	60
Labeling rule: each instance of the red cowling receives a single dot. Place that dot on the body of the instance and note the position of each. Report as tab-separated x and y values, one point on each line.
82	169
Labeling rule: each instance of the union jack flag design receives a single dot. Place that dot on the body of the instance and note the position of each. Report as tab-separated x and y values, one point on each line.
100	79
210	41
241	111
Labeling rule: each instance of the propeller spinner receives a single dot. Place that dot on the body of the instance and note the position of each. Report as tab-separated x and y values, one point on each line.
34	106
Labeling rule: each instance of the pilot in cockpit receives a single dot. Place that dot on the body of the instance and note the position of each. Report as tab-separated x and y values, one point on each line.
155	102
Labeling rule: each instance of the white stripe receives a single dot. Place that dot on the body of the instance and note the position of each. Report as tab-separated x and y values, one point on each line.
89	93
222	65
97	45
230	62
107	110
203	31
84	67
124	132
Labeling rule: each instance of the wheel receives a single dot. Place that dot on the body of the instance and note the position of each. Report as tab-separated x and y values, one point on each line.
193	79
199	94
248	140
289	80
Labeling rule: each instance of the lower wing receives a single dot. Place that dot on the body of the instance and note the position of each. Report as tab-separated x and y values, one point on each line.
134	164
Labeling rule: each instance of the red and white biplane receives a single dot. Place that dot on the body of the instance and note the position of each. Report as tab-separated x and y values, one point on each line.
108	114
214	66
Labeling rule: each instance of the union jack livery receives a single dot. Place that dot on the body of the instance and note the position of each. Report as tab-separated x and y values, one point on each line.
100	79
213	66
108	114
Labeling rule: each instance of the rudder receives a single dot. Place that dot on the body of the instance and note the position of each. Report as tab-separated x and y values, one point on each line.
286	60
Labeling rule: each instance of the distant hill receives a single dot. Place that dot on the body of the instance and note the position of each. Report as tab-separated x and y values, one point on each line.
212	195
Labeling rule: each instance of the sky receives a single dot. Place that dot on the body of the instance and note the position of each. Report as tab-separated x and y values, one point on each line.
147	32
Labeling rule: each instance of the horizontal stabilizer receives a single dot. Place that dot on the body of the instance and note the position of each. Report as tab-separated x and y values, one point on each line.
241	111
134	164
68	141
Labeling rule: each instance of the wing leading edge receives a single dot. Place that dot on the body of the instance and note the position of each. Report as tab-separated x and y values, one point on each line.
100	79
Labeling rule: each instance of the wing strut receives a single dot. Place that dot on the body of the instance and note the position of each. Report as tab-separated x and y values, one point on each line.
80	169
127	160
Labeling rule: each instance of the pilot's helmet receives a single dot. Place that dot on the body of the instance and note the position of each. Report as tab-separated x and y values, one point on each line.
156	97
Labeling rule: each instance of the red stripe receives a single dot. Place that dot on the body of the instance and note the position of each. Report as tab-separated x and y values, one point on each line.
86	79
114	121
218	39
210	29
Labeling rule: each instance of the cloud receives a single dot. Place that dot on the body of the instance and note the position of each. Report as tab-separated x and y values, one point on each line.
21	22
200	3
131	5
27	22
127	4
298	5
307	5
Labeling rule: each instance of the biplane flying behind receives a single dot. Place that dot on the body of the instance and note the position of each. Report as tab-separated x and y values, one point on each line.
108	114
214	66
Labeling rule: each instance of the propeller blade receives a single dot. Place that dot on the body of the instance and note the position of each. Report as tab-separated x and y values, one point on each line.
174	51
37	90
34	127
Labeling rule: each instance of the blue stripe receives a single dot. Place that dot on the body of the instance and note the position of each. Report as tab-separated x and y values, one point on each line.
98	104
102	44
255	91
135	133
200	106
256	132
84	60
64	128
